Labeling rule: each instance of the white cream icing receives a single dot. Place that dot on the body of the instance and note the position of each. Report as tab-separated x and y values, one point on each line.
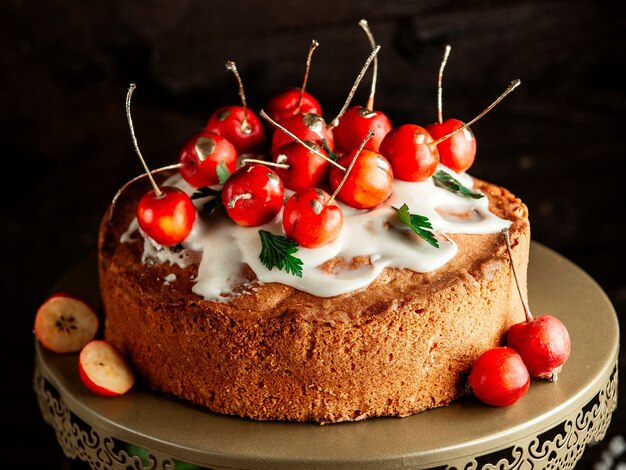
377	234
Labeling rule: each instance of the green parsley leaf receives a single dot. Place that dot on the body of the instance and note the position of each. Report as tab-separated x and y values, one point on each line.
223	173
332	155
212	204
419	224
277	251
447	181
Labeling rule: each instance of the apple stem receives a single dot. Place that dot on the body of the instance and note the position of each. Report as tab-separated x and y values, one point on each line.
131	88
314	45
356	155
245	161
137	178
312	149
246	128
507	240
444	61
508	90
238	197
370	101
371	57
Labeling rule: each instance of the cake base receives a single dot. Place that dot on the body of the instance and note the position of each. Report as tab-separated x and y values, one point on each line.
548	428
403	344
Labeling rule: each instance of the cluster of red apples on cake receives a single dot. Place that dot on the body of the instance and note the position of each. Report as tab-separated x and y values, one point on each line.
355	159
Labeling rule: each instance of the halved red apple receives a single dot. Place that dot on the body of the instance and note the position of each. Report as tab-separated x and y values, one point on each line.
65	323
104	369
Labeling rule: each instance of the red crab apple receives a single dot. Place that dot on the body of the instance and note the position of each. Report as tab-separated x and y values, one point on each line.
543	342
167	217
238	124
359	120
104	369
200	155
294	100
312	218
65	323
457	152
308	126
369	183
499	377
410	151
253	195
166	214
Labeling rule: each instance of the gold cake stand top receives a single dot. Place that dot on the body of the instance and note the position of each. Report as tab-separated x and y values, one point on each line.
549	426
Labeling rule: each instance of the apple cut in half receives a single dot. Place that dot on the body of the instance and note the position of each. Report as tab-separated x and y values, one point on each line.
104	369
65	323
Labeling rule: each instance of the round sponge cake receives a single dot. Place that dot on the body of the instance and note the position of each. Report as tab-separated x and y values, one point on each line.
402	345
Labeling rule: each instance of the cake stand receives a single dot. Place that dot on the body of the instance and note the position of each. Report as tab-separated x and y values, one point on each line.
548	428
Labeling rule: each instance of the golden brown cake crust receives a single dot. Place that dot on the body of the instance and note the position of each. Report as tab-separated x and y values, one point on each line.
403	344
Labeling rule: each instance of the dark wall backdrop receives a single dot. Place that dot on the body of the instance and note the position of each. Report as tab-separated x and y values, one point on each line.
557	141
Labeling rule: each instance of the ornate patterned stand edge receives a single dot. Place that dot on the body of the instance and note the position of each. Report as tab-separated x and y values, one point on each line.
558	447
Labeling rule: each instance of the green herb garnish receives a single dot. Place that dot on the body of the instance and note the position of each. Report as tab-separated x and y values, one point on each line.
223	173
212	204
277	251
419	224
332	155
447	181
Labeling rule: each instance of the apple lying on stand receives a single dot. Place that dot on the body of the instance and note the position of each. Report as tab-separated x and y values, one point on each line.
104	370
65	323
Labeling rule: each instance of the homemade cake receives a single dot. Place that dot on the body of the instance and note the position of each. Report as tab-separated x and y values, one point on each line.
363	333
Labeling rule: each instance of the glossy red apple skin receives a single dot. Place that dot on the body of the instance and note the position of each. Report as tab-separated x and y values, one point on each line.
354	126
65	322
104	370
266	192
167	219
369	183
200	156
407	149
543	343
307	126
310	219
306	169
227	122
285	104
458	151
499	377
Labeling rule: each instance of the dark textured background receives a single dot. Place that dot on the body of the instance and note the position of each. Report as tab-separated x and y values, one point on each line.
557	141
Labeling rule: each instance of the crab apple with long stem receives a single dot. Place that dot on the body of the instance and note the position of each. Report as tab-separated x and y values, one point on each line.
201	154
499	377
413	152
335	122
543	342
311	218
295	100
459	151
408	148
238	124
312	126
368	181
166	214
358	120
253	195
